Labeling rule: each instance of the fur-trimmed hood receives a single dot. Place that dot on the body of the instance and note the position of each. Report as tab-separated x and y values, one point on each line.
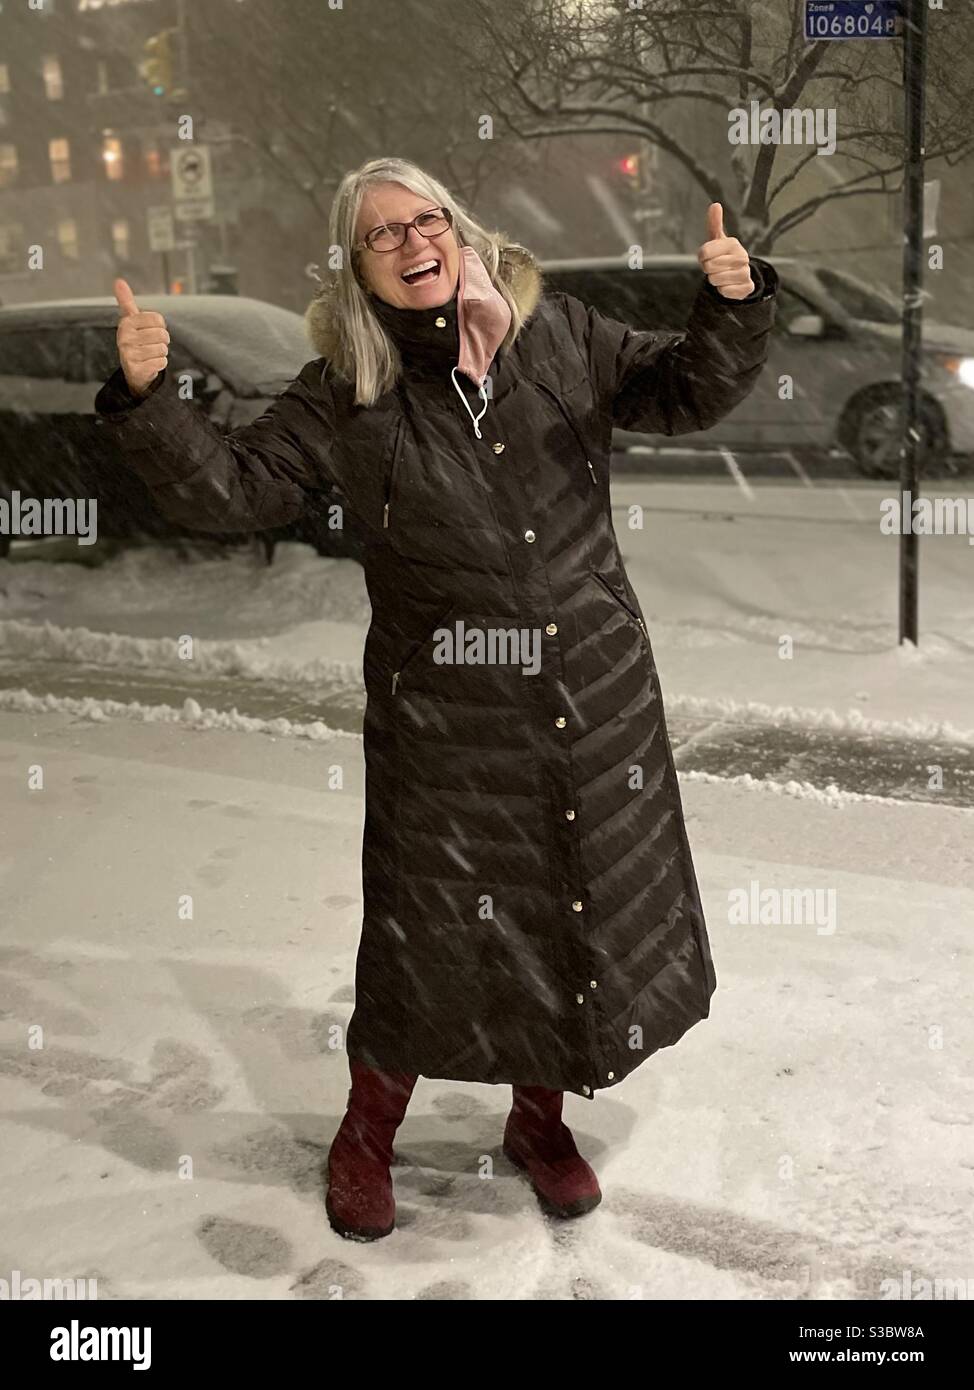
518	270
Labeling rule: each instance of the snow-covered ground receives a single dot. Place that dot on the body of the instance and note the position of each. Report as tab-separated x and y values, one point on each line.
811	1139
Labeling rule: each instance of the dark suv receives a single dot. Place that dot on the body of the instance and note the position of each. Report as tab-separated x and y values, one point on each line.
55	356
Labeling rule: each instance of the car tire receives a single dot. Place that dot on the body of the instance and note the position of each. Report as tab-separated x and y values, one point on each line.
869	431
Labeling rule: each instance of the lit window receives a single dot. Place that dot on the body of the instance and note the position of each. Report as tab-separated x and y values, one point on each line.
4	78
67	235
111	153
8	165
53	81
120	238
60	152
103	83
153	161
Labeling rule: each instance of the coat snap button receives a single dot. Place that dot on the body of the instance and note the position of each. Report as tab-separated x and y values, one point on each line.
560	722
593	984
586	1090
610	1076
529	536
576	906
551	629
579	998
440	322
569	815
498	448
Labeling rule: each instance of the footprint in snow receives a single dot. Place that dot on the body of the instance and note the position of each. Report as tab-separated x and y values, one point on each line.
457	1105
447	1291
329	1279
256	1252
344	994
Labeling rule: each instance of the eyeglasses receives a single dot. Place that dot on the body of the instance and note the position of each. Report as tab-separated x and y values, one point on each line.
389	237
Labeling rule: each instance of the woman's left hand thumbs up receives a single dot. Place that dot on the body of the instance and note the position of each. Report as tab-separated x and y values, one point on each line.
723	259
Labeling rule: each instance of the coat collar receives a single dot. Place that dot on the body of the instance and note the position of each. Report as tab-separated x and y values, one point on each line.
424	337
417	328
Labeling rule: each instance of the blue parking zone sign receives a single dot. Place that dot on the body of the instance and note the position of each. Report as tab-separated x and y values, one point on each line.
853	19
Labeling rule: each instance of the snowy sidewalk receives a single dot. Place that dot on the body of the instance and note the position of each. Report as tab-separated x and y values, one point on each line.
812	1138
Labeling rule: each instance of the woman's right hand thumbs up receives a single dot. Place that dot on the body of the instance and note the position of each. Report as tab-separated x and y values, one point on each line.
143	342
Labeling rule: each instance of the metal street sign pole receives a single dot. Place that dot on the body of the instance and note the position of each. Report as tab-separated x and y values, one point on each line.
162	238
191	258
914	74
835	21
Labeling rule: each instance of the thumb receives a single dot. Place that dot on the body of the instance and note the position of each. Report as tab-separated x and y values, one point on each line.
715	222
125	298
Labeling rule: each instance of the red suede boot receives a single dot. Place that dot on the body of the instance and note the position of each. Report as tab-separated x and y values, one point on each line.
536	1140
360	1202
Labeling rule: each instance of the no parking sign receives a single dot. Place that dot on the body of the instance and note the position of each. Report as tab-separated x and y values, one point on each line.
192	182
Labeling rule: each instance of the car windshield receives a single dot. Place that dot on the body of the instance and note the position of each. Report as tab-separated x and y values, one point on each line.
253	346
860	301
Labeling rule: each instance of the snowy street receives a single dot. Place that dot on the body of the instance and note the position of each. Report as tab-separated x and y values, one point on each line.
812	1139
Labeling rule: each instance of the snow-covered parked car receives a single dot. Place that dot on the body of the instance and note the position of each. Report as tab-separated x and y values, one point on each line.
54	357
837	340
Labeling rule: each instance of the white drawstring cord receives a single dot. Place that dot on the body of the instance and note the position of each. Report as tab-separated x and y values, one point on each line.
480	392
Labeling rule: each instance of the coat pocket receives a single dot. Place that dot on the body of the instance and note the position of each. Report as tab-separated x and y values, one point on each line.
582	389
395	458
411	658
621	602
436	507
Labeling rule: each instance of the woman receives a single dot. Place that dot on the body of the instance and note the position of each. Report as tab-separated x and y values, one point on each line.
531	913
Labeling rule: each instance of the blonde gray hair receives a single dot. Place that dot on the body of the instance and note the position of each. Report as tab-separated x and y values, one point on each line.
363	351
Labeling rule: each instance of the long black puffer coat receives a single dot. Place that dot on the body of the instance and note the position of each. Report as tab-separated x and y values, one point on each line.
531	912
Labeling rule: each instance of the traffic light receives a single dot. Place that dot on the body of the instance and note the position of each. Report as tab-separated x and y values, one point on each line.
156	67
628	166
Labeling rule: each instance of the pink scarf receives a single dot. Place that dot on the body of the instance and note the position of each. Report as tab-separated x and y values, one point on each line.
483	318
